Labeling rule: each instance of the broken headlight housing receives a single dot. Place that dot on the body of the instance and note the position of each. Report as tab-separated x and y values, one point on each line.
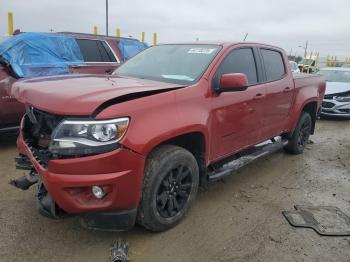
342	98
86	137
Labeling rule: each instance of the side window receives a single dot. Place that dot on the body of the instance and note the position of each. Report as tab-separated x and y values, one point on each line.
274	65
240	61
109	52
95	51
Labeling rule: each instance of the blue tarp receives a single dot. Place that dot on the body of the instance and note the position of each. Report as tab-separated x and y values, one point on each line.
40	54
130	47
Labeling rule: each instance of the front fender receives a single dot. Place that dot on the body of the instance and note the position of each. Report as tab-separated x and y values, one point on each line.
157	118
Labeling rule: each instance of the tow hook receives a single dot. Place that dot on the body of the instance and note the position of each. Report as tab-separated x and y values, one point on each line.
25	182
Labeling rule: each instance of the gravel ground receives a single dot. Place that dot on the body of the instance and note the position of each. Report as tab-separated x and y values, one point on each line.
238	219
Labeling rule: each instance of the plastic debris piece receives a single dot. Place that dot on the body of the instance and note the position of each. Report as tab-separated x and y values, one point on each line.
119	251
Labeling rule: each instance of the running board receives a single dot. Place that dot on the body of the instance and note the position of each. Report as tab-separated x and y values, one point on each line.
259	151
9	129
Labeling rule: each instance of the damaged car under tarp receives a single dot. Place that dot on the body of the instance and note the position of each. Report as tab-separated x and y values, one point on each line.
129	47
40	54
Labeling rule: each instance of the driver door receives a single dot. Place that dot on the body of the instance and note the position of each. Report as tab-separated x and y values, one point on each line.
237	115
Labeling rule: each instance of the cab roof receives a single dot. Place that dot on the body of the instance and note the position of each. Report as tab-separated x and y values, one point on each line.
222	43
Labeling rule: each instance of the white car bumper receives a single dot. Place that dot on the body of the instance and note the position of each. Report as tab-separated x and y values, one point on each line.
331	107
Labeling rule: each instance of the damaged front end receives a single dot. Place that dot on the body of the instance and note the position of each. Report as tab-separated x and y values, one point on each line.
36	130
72	161
47	207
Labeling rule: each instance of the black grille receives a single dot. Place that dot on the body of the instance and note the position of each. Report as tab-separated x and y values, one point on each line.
328	96
346	111
37	130
327	104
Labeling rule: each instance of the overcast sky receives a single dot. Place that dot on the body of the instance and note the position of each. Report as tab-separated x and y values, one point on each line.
288	24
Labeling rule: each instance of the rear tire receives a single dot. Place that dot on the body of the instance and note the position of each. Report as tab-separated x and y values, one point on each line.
170	185
301	134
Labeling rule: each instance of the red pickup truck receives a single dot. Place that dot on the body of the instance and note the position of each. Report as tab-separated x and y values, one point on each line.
101	55
136	145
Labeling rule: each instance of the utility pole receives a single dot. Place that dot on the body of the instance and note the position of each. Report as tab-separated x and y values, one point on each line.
305	47
306	44
106	17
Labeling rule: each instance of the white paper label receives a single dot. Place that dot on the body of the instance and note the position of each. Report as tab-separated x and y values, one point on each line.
200	50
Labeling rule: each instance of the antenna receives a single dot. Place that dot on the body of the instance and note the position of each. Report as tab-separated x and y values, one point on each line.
245	37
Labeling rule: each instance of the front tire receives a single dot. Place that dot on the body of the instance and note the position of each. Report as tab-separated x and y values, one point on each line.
170	185
296	144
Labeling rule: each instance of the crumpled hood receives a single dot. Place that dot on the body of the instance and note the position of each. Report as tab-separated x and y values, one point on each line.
337	87
80	95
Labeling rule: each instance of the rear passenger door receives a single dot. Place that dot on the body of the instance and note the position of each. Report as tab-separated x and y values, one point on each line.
237	116
279	95
98	56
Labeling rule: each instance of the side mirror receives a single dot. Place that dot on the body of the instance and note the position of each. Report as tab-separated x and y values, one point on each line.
233	82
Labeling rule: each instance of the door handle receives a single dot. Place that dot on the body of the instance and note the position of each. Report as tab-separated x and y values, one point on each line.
286	89
259	96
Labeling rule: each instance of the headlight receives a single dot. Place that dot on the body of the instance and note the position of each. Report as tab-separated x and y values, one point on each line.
342	98
80	137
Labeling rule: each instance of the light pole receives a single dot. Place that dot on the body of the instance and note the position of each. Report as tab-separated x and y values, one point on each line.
305	48
106	17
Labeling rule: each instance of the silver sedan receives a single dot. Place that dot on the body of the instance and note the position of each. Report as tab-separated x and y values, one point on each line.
336	101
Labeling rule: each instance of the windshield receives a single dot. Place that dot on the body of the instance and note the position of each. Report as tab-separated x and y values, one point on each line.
336	75
179	64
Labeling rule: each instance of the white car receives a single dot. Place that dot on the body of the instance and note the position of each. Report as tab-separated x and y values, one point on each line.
336	101
294	67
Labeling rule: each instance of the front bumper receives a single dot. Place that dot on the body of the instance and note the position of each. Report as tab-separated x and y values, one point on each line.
69	182
333	108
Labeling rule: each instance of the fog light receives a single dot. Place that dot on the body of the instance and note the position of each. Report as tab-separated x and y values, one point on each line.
98	192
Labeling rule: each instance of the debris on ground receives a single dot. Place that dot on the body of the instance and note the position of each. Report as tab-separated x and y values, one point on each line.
120	251
325	220
310	142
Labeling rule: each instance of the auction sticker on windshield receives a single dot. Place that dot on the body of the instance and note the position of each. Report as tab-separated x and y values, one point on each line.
201	50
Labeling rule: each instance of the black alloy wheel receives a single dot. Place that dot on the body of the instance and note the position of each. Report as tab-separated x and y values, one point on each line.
174	190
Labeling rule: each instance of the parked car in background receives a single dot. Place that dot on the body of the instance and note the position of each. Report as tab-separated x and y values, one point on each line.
346	65
294	67
136	145
42	54
307	65
336	101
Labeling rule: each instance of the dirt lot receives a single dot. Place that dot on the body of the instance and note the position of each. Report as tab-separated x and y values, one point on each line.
238	219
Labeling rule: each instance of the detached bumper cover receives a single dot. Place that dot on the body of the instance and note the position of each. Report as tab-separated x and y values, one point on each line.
69	181
331	107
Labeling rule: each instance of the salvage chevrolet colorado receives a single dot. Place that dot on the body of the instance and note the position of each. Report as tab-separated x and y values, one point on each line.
136	145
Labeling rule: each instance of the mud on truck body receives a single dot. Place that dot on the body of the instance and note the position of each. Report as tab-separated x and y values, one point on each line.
136	145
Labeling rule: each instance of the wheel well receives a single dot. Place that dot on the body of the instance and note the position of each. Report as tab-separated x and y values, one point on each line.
195	143
311	108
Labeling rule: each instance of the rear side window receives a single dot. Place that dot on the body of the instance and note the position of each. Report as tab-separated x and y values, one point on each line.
274	65
240	61
95	51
